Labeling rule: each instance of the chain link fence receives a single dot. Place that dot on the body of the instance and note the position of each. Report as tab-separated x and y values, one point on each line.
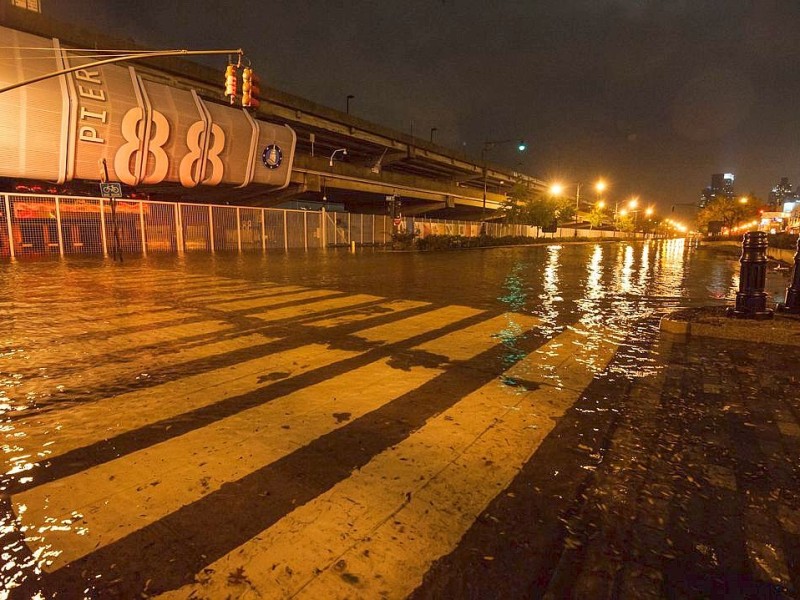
36	225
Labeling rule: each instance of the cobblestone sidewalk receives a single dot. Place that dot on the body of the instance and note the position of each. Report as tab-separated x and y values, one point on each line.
698	495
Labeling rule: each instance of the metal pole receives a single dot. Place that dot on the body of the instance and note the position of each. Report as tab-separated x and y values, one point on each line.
285	232
211	228
324	227
141	226
8	224
239	229
103	234
179	228
58	225
263	230
305	229
373	230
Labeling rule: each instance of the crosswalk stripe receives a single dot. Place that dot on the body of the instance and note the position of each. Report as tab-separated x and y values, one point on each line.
375	534
244	293
362	313
56	353
76	321
310	308
272	299
133	366
414	325
121	496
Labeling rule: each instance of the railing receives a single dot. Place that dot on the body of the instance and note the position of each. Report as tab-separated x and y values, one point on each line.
66	225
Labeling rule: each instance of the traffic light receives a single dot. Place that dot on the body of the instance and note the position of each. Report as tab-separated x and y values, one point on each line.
250	90
230	83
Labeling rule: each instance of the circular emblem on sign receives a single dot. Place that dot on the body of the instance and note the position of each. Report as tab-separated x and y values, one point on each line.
272	157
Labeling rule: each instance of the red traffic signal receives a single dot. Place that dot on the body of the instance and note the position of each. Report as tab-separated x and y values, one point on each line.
250	88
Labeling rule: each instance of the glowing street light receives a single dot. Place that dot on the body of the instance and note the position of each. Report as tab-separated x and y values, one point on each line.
600	186
557	189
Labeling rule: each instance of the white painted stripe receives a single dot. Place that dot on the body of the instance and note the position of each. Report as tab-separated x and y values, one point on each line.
272	299
59	354
136	365
363	313
311	308
416	325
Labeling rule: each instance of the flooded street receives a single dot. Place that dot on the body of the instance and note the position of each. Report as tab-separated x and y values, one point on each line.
325	425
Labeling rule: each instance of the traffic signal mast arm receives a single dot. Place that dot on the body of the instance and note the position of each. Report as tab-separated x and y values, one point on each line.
121	58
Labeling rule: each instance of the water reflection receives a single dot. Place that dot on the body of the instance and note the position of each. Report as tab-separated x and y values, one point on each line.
511	335
550	296
644	268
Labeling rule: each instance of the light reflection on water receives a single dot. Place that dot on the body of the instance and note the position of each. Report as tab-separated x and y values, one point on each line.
605	292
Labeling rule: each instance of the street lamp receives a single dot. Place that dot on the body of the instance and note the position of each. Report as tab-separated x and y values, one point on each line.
632	208
556	189
334	153
521	147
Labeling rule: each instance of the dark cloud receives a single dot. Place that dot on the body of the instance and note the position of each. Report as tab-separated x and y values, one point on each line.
654	95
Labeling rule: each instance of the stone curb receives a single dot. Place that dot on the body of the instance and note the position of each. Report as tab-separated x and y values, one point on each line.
711	322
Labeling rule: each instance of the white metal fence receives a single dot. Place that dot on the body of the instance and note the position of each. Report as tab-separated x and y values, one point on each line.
41	224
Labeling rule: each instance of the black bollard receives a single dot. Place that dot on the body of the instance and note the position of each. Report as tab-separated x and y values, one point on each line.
751	299
792	304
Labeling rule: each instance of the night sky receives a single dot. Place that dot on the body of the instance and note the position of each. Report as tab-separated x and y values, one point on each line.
653	95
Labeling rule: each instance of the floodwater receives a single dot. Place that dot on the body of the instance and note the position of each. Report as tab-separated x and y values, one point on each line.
157	411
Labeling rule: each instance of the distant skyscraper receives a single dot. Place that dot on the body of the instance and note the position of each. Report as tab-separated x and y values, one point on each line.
780	193
721	187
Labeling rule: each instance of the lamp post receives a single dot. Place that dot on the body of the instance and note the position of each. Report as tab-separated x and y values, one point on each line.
632	208
521	147
556	189
599	188
334	153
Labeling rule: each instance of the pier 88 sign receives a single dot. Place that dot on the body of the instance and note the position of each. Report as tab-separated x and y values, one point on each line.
62	128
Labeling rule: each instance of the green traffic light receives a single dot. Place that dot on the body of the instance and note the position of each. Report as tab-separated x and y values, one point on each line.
522	146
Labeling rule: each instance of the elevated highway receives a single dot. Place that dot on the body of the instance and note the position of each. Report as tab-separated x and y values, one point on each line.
380	162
